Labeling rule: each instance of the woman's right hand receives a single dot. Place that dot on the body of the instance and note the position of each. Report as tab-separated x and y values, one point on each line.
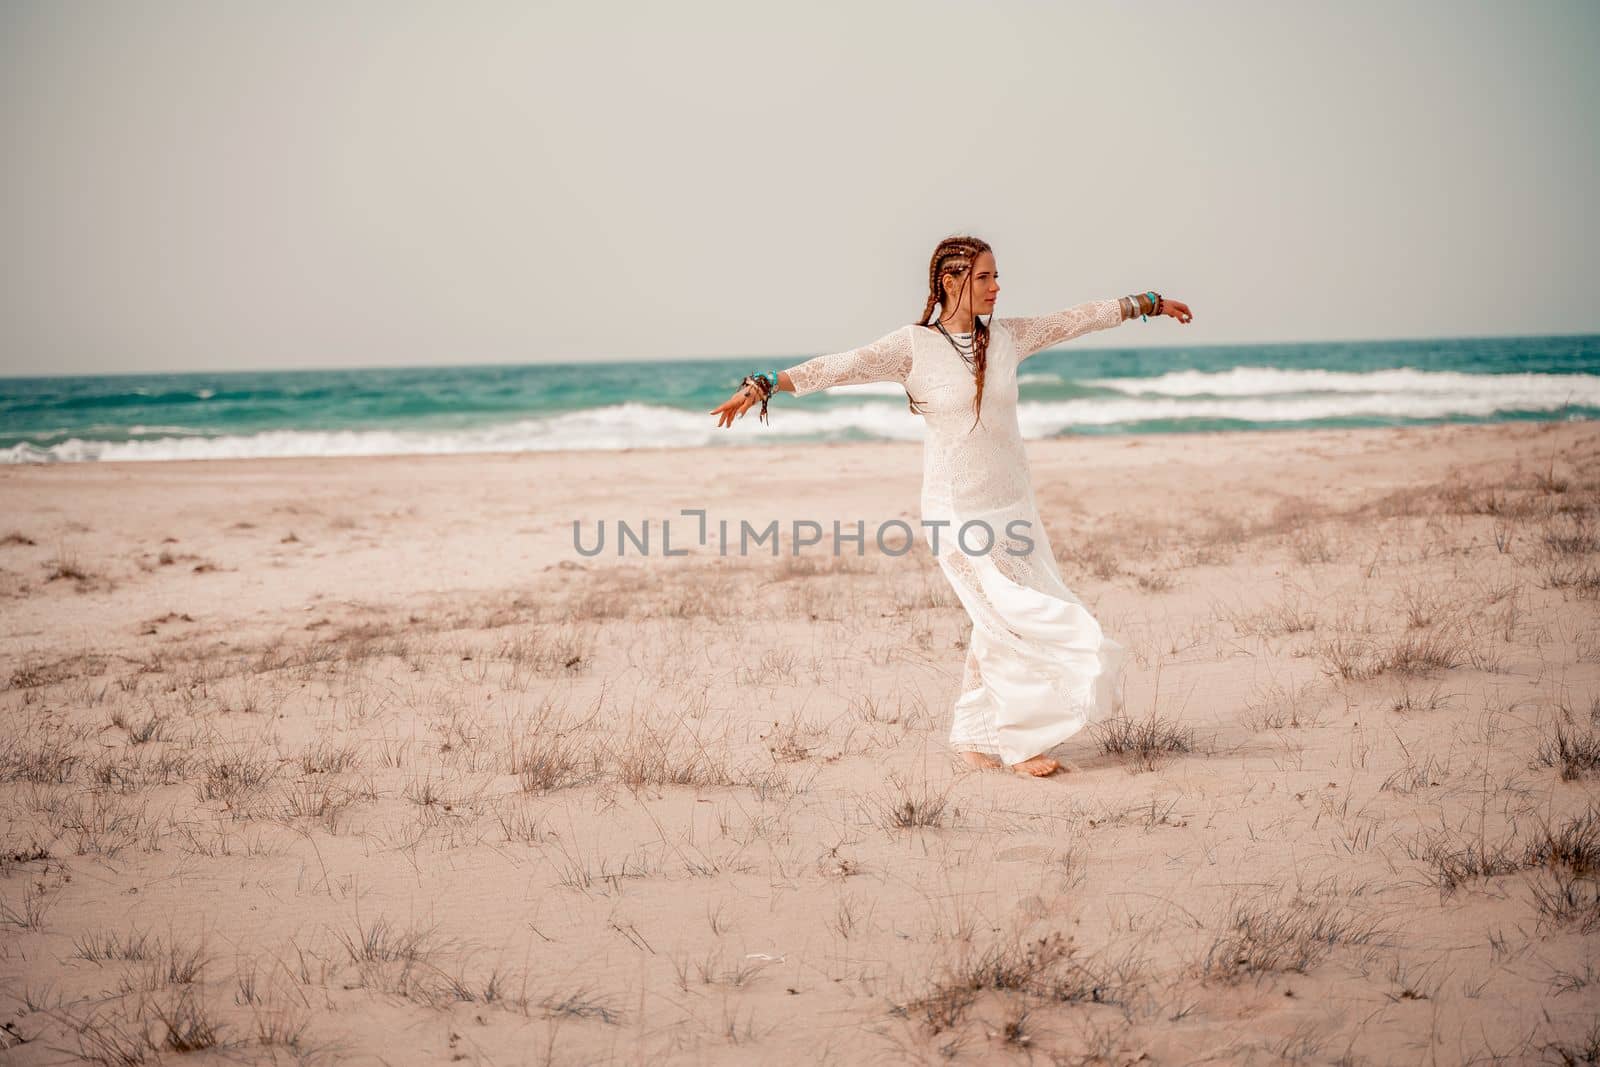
736	406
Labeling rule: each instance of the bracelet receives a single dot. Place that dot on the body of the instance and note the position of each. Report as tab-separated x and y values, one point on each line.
763	388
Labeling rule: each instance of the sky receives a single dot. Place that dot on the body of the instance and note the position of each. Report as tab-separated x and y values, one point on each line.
208	186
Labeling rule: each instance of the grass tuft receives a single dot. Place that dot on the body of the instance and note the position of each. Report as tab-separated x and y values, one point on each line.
1145	740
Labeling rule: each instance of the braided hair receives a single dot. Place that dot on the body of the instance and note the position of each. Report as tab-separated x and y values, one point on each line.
955	256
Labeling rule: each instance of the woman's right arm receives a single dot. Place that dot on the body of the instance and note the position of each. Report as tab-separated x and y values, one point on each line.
888	359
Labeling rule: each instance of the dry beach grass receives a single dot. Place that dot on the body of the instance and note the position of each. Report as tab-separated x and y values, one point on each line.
357	760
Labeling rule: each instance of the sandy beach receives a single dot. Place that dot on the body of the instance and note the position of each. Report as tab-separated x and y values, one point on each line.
359	760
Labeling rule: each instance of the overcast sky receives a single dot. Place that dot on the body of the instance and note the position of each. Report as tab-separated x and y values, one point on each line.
208	185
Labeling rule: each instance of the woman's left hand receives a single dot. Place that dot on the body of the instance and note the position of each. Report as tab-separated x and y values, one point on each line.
1177	309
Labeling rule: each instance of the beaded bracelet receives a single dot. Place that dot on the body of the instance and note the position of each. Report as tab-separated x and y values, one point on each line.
1155	305
763	386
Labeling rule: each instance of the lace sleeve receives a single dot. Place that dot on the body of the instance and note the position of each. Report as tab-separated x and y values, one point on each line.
888	359
1035	334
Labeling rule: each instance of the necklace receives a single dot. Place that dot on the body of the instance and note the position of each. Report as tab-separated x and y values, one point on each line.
966	353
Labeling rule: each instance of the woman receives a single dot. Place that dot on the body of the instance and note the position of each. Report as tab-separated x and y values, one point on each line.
1038	666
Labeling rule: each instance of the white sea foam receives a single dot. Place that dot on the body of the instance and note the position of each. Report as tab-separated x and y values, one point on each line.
1043	419
140	429
610	428
1266	381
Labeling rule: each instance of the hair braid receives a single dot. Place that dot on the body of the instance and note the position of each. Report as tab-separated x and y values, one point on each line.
955	256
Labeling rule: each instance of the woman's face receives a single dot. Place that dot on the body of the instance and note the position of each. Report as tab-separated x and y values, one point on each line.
978	295
985	284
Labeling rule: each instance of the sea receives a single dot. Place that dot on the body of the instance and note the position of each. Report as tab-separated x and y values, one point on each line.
666	404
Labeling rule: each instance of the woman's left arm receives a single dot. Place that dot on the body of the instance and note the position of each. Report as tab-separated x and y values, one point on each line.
1045	331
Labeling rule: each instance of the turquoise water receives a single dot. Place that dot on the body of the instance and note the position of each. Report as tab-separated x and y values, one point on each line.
1075	390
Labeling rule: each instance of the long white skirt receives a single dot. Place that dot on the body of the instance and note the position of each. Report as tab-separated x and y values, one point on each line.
1039	668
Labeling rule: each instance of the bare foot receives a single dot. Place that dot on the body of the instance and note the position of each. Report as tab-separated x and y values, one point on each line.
1037	766
981	761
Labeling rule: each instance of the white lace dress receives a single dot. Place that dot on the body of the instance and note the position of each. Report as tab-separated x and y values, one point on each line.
1038	667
